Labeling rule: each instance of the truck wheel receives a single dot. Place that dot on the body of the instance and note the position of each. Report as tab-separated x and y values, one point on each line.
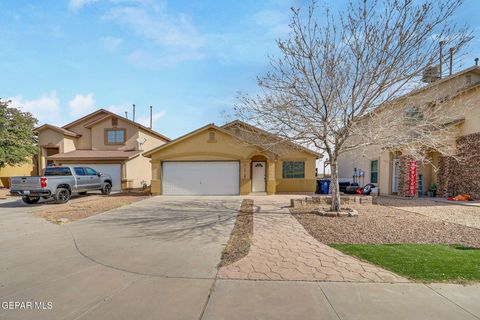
107	188
62	195
82	193
30	200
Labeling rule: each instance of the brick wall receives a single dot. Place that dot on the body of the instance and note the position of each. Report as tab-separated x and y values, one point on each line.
462	176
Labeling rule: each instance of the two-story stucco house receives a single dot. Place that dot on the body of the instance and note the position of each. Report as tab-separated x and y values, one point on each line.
103	141
390	170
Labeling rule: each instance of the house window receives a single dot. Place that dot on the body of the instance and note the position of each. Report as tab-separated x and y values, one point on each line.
374	171
293	169
115	136
413	114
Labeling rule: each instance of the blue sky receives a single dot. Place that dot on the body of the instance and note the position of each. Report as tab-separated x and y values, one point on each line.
188	58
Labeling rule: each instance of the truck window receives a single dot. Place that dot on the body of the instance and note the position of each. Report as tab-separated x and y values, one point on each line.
57	171
79	171
90	172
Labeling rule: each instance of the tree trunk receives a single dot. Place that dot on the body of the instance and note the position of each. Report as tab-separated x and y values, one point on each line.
335	188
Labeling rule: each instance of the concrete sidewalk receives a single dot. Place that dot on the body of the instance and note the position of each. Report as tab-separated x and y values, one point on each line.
237	299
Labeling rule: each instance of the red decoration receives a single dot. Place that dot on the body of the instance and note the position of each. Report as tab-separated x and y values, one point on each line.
412	178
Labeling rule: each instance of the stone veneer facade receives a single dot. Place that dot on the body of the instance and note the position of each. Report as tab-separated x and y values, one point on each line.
454	176
404	168
462	176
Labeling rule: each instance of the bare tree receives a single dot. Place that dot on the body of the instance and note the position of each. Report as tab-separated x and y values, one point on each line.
336	71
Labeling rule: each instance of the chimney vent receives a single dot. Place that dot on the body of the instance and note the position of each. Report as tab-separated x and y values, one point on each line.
431	74
150	117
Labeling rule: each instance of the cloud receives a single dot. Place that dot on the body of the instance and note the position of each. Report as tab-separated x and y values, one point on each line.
78	4
154	23
81	105
46	108
167	38
145	120
274	21
111	44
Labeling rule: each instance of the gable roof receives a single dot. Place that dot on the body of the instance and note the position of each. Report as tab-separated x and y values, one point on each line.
181	138
221	129
58	129
296	145
109	114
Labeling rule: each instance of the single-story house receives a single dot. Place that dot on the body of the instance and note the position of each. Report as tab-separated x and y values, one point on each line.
103	141
389	170
217	160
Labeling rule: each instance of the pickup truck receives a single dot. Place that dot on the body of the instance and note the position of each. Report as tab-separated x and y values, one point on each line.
59	183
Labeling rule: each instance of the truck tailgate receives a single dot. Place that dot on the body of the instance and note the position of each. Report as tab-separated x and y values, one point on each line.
24	183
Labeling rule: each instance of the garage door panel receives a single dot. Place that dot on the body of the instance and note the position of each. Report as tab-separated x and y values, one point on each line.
114	170
201	178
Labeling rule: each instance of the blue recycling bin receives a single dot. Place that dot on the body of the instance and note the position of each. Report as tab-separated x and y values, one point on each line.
324	186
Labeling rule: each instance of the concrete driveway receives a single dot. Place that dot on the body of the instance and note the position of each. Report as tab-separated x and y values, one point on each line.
156	259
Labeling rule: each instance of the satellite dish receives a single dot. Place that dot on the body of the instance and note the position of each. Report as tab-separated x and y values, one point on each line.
141	140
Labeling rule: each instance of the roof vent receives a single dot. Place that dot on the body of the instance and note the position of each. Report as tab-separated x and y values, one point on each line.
431	74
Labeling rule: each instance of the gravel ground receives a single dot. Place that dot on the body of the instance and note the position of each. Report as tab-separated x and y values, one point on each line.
382	224
465	215
4	193
240	239
75	210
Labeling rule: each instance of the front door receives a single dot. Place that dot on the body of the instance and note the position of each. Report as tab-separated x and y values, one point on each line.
258	176
395	174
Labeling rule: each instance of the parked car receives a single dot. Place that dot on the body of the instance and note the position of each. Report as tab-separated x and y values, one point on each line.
59	183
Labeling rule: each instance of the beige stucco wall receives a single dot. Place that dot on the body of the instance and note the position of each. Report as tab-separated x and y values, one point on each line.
467	102
308	184
361	159
151	141
98	132
85	141
51	138
226	147
137	170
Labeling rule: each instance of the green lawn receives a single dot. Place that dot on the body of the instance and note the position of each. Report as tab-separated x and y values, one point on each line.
426	262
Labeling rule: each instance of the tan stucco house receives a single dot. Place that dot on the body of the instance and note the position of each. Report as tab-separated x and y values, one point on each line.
216	160
389	171
103	141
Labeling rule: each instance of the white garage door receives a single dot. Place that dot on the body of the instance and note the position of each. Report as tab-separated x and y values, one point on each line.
114	170
201	178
